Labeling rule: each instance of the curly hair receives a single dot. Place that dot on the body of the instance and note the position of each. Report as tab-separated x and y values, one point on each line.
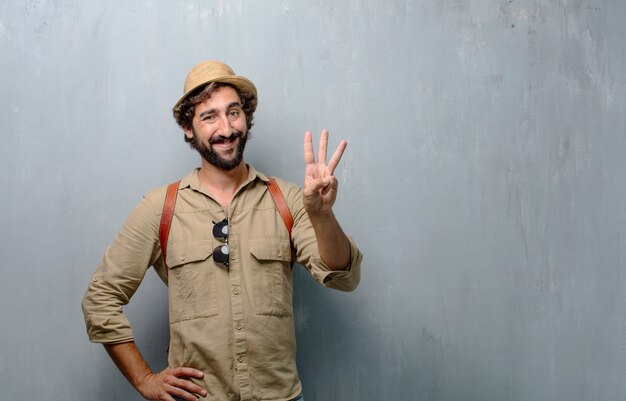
185	111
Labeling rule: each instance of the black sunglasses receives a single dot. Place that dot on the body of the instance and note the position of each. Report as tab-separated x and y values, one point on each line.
220	253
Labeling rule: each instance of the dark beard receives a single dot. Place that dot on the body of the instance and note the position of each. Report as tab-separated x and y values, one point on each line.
215	159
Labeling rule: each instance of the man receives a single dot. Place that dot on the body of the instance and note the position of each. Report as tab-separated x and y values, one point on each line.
228	260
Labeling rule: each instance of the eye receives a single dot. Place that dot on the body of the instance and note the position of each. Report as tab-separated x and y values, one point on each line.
209	118
234	113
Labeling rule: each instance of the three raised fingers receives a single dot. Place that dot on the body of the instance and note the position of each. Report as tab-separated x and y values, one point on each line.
309	156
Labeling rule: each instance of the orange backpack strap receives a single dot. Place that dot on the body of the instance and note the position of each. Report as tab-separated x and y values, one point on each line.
166	217
281	204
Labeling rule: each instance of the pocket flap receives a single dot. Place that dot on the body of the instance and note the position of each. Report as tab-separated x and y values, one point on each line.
271	249
191	251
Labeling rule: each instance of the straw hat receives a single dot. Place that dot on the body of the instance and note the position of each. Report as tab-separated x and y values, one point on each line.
214	71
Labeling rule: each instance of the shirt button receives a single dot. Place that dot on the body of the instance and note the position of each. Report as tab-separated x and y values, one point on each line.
233	257
240	359
236	290
279	254
182	258
238	325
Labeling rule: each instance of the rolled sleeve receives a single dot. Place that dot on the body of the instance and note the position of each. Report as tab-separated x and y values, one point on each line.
109	329
344	280
123	267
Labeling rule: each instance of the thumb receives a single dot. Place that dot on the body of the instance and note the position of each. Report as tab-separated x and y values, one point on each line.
314	185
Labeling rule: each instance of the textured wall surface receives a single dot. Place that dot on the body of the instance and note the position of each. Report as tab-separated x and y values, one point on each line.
485	182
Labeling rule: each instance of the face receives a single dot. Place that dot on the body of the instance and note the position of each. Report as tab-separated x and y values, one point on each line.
219	129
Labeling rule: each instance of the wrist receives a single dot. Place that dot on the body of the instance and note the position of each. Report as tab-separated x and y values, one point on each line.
142	380
321	216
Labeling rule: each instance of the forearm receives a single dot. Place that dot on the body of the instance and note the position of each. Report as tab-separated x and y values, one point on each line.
129	361
332	242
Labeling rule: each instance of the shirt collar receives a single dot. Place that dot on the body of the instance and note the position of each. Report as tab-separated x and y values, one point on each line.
192	181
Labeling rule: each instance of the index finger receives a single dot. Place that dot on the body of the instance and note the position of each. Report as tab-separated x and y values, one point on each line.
187	372
309	156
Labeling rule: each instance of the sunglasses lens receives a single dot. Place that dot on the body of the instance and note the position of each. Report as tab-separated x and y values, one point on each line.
220	230
220	254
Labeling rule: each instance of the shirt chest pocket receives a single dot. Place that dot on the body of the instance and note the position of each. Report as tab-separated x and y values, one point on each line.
271	276
192	287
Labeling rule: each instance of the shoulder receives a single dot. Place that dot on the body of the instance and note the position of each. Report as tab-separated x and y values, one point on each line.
291	192
155	197
287	188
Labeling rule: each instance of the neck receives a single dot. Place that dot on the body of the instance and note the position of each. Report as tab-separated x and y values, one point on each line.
222	183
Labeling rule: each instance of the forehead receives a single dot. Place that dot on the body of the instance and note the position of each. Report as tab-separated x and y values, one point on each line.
222	96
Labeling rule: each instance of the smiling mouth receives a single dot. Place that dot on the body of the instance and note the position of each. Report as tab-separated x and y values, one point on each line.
221	140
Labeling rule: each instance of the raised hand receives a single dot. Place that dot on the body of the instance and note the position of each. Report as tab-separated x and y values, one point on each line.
320	185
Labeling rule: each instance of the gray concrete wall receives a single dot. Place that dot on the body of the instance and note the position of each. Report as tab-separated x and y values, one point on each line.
485	181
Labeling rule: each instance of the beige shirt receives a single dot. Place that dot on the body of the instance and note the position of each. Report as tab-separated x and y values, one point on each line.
235	325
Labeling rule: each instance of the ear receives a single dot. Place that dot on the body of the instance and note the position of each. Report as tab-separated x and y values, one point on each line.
188	133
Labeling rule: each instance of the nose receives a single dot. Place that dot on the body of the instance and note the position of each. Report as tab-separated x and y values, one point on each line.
225	128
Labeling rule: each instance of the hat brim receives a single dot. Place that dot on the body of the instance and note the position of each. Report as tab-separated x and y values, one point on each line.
237	81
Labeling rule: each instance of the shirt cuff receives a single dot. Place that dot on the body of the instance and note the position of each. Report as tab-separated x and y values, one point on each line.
344	280
109	329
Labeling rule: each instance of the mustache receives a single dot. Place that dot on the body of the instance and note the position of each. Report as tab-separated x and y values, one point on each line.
222	139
